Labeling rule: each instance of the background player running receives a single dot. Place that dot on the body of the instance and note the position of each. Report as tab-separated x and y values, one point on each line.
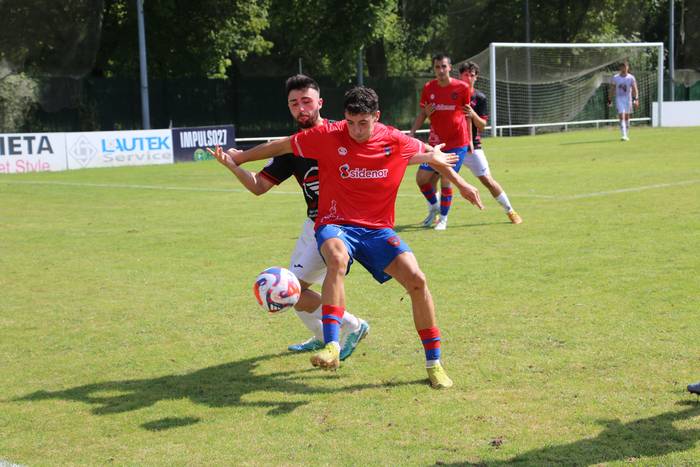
304	101
361	165
477	113
443	99
626	95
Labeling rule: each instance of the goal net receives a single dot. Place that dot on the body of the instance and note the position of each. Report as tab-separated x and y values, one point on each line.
533	87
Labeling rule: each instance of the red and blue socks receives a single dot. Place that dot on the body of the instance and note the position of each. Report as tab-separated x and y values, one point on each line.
332	318
430	337
429	192
445	201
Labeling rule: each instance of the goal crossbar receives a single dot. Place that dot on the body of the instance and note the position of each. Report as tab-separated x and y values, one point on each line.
492	63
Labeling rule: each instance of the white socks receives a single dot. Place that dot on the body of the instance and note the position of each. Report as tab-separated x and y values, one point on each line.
623	128
313	322
504	201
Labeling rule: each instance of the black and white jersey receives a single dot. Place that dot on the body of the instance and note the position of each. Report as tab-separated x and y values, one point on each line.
481	106
279	169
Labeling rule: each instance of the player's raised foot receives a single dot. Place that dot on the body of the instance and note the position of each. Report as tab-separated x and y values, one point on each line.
308	345
353	339
328	358
694	388
442	223
433	212
438	377
515	217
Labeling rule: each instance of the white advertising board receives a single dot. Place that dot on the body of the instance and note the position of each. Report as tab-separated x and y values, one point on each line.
677	113
32	152
118	148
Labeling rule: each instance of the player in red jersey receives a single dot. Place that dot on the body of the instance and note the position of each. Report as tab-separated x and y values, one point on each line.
305	102
361	165
443	100
476	113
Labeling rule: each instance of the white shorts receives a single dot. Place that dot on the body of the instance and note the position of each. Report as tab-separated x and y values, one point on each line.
477	163
623	105
306	262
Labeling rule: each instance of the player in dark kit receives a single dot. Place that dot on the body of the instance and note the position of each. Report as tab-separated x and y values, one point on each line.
303	98
694	388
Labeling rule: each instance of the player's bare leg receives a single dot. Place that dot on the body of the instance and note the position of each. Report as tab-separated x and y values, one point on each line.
404	268
497	192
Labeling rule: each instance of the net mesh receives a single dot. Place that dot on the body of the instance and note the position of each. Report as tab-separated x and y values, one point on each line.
539	86
47	47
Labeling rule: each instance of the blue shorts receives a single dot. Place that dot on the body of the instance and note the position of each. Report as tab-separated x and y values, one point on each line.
461	153
375	249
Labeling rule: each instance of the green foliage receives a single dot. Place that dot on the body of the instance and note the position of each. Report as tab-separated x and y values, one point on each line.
45	37
420	32
182	38
19	93
327	34
129	334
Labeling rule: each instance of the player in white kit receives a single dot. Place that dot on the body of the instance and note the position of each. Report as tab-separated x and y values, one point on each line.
626	96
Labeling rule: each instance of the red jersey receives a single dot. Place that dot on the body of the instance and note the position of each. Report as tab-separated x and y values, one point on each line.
358	182
447	123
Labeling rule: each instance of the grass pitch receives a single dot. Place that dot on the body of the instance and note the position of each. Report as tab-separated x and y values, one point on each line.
129	333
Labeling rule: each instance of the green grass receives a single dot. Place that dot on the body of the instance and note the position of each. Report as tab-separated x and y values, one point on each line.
129	334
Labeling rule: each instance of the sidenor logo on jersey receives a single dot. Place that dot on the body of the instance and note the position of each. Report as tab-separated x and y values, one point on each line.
361	172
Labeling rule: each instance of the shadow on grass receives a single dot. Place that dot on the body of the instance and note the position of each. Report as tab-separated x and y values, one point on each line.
646	437
418	227
217	386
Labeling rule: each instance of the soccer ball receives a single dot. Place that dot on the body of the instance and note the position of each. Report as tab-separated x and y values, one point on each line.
276	289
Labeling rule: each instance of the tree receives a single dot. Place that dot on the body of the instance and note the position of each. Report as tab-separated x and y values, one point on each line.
325	34
183	38
49	38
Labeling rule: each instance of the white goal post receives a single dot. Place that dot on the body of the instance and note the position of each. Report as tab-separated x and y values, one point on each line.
549	85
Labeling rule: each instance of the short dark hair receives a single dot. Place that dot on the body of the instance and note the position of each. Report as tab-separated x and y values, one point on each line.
361	100
301	82
438	57
469	66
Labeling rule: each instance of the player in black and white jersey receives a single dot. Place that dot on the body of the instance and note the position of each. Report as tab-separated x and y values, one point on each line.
477	113
304	101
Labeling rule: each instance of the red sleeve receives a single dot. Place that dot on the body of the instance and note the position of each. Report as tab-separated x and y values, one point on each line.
312	143
467	95
409	146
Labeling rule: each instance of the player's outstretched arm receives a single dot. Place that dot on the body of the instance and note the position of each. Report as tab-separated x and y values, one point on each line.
251	180
443	164
468	192
435	157
273	148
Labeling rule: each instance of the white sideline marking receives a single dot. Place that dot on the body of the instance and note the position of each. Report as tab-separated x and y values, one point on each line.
629	190
279	192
